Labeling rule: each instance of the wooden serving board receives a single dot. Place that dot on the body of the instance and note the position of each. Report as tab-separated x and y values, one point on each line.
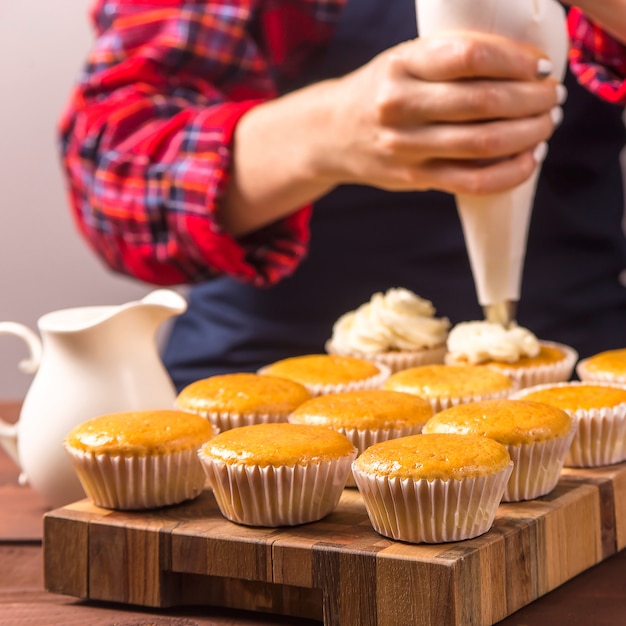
337	570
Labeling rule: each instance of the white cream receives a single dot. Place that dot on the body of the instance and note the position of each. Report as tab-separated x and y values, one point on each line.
478	342
395	320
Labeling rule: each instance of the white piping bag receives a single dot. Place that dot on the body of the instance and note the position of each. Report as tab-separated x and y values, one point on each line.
495	226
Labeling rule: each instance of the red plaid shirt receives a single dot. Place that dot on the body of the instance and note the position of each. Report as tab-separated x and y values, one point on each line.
146	138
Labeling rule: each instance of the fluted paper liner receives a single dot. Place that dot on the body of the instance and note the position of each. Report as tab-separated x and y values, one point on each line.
496	225
536	467
603	377
373	382
437	511
600	437
134	483
439	403
557	372
277	496
396	360
227	420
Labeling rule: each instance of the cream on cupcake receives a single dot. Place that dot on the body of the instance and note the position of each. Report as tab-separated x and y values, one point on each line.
397	328
514	351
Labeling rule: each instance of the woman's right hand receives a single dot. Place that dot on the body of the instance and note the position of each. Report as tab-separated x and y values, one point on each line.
457	112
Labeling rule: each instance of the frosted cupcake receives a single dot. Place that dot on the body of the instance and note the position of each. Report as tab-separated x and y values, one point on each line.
608	367
433	488
277	474
397	328
449	385
242	399
514	351
366	416
140	459
328	373
537	436
599	410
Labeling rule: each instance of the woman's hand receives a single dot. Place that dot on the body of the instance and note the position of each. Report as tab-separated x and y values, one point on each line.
457	112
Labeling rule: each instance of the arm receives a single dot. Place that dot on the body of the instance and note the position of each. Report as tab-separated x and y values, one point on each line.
598	47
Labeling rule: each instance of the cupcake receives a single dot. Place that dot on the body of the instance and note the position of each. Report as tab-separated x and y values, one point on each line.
537	436
608	367
449	385
397	328
242	399
366	416
277	474
514	351
328	373
433	488
139	459
599	411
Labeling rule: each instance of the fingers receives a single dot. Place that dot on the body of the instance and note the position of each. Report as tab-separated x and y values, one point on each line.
452	55
484	140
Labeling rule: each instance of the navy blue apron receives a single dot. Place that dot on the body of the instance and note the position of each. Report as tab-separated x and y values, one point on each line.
366	240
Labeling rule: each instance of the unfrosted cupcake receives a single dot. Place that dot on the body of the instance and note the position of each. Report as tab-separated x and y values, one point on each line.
277	474
328	373
242	399
140	459
396	328
366	416
608	367
433	488
449	385
514	351
537	436
599	410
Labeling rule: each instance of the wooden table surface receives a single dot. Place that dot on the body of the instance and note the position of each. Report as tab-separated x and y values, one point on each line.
597	597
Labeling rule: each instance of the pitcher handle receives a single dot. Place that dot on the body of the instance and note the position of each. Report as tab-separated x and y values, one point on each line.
29	365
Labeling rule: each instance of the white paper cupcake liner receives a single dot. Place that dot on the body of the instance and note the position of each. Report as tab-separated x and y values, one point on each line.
600	437
439	403
396	360
560	371
374	382
226	420
364	438
133	483
437	511
536	467
603	377
277	496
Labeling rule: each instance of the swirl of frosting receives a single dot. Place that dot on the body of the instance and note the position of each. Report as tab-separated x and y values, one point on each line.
395	320
479	342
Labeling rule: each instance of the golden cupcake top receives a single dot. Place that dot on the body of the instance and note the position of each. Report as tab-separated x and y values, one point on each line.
578	396
364	409
434	456
511	422
323	369
140	433
243	393
547	355
278	444
437	381
610	361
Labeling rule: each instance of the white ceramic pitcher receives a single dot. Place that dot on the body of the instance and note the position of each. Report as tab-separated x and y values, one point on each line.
89	361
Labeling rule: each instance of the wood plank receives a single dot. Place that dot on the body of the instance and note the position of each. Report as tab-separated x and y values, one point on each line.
190	553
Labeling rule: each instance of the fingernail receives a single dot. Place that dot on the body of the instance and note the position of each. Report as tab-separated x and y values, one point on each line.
561	93
539	153
556	113
544	67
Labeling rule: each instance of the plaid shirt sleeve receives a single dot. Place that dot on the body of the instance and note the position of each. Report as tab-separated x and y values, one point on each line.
146	139
597	59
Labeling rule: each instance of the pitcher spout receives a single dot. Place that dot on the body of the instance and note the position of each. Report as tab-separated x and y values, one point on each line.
170	300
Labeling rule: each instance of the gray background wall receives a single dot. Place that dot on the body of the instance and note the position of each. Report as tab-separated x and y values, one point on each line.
44	264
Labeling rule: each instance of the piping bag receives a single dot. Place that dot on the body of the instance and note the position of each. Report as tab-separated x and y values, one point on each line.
495	226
